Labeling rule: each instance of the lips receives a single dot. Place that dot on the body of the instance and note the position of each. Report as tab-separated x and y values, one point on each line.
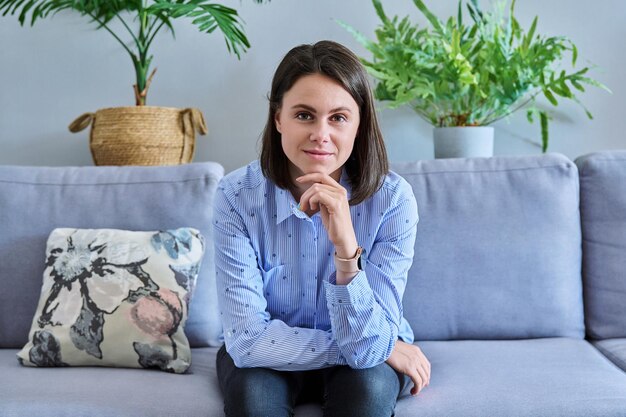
317	154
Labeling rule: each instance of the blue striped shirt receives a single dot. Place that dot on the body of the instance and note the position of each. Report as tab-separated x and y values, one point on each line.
279	303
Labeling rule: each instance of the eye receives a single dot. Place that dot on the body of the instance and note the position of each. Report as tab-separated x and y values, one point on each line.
304	116
338	118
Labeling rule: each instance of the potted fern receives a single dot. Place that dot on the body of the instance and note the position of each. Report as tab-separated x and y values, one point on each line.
141	135
461	77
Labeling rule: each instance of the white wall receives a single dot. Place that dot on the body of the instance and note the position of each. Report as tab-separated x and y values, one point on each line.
61	67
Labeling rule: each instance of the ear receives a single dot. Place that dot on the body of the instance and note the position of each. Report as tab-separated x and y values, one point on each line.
277	121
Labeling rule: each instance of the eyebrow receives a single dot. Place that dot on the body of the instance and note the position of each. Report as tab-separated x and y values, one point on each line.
311	109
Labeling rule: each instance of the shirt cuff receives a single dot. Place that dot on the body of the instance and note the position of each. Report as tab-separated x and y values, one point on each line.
349	294
335	357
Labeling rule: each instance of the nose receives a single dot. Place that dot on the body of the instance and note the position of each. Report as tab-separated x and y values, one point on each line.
320	132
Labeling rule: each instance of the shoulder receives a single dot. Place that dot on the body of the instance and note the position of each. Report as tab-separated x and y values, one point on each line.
392	210
395	188
395	198
243	189
248	177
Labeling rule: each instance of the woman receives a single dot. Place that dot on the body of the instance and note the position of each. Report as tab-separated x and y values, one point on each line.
313	246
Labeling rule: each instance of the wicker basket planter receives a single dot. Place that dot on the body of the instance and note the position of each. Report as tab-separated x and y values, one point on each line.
142	135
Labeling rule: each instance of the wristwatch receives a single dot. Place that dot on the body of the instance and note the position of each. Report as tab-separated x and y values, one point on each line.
356	257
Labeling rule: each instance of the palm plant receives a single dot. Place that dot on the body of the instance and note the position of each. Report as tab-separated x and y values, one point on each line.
474	73
148	18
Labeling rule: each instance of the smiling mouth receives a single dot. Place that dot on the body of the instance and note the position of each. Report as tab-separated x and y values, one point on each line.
318	155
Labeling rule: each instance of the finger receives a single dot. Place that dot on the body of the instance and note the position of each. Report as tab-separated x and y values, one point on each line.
417	383
321	187
426	374
424	379
423	374
423	366
305	199
327	200
425	363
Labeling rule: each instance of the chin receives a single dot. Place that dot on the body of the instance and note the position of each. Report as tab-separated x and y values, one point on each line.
320	169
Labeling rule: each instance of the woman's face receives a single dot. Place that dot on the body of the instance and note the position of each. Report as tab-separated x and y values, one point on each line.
318	122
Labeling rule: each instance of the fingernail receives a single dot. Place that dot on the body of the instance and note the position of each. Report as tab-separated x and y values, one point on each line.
299	207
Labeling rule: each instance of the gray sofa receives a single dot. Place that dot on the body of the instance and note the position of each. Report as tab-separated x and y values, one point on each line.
517	294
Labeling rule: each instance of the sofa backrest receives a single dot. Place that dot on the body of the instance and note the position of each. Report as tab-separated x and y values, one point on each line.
603	212
35	200
498	249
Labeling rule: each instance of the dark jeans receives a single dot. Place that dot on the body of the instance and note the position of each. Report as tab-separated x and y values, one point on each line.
343	391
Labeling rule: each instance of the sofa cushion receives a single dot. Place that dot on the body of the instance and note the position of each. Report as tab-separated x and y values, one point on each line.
109	392
115	298
539	377
603	211
614	349
498	249
36	200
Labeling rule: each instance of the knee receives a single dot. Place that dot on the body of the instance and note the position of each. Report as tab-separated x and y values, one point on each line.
256	396
378	387
367	392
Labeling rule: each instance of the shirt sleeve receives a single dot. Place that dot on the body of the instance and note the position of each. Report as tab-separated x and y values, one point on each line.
252	337
366	314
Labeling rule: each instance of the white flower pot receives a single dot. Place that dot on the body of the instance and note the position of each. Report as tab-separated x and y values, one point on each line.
463	142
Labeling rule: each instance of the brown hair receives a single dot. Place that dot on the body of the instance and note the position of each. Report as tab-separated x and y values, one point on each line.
368	164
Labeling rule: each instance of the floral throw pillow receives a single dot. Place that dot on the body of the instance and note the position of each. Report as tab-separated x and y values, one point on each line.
115	298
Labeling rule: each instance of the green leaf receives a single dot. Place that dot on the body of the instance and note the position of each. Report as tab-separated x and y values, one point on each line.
429	15
550	97
562	89
529	37
509	26
357	35
595	83
378	6
577	85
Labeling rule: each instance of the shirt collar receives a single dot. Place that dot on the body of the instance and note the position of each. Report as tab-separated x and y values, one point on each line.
286	205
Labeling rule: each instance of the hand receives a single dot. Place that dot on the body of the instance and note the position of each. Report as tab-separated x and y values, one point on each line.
332	200
409	360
